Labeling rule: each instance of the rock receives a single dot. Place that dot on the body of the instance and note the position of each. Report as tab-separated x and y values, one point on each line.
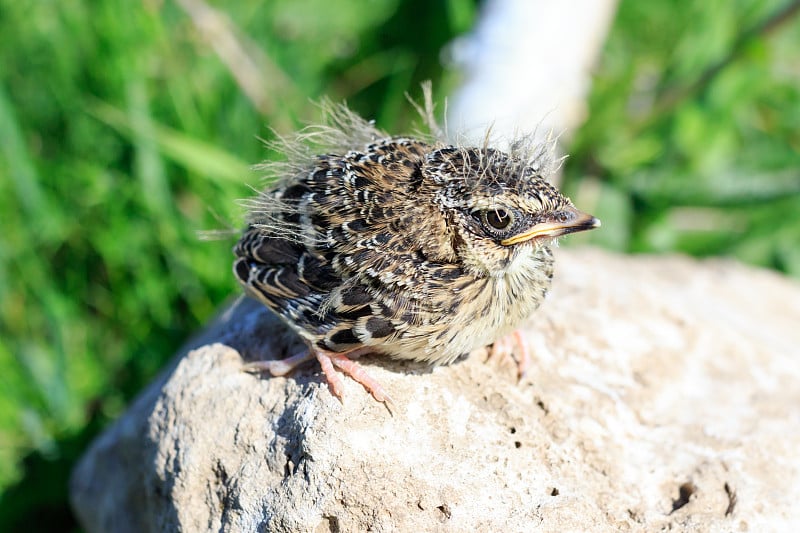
663	394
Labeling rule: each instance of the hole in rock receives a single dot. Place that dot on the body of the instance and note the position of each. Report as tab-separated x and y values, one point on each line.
685	492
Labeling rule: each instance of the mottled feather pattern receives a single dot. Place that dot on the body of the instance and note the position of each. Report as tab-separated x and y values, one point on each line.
383	242
369	294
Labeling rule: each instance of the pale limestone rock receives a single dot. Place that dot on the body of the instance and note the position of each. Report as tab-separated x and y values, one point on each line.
664	394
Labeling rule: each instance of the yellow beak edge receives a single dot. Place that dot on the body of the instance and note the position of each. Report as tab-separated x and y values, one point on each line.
573	222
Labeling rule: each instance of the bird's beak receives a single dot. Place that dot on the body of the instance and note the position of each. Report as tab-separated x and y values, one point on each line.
564	221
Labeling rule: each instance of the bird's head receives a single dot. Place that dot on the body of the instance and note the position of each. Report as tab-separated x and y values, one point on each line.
498	208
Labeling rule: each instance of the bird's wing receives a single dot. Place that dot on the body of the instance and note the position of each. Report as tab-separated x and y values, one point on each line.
290	280
336	248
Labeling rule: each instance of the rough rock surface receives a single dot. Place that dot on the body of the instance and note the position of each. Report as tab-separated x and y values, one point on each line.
664	394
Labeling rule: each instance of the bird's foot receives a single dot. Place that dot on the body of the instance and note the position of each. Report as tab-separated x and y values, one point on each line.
280	367
514	346
329	360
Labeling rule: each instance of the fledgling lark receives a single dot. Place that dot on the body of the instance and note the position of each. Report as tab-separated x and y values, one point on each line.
413	249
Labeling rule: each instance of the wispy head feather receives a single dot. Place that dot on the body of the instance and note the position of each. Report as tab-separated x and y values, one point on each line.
342	133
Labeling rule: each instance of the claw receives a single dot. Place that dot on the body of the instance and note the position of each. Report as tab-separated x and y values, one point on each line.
505	347
280	367
327	360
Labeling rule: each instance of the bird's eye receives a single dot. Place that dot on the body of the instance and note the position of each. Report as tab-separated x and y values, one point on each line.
562	216
498	219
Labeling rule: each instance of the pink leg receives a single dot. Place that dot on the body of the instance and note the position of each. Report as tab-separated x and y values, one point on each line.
500	348
328	360
505	347
523	354
280	367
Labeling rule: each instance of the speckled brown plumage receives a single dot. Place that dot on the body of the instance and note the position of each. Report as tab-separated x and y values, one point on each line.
398	246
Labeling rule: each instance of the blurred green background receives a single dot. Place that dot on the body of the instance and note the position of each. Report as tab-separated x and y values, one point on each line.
126	127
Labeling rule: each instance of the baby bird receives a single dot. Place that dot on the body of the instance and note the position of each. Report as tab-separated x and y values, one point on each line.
399	246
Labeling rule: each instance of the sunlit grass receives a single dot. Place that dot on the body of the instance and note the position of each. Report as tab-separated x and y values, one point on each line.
127	127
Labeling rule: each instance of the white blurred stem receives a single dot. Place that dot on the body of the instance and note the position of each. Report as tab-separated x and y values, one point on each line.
527	67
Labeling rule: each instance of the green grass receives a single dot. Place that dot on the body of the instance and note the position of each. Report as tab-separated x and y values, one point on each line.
692	142
123	133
